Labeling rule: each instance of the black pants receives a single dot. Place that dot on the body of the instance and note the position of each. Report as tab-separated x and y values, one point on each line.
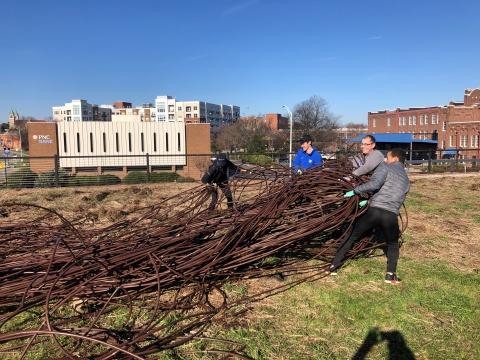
226	191
375	217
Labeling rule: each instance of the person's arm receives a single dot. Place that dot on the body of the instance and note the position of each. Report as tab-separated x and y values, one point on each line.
208	176
296	163
371	163
376	181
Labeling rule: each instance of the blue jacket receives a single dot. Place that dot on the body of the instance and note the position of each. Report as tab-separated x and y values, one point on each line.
304	161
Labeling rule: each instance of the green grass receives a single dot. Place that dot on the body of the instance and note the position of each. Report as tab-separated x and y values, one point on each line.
436	311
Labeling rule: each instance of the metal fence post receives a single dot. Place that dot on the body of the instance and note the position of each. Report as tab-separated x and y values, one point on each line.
57	166
429	162
148	167
6	172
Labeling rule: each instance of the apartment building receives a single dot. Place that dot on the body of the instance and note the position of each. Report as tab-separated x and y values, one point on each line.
168	108
456	125
81	110
165	108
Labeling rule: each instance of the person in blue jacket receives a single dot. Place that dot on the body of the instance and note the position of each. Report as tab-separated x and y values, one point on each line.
307	156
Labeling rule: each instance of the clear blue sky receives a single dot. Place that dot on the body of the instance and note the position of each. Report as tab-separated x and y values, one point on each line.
359	55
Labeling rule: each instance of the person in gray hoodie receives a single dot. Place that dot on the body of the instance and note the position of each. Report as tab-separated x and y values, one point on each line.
389	185
370	158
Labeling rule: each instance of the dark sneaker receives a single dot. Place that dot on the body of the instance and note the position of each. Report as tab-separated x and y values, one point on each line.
331	270
392	279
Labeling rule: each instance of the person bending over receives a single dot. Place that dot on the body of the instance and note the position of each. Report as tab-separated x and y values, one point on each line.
390	184
218	174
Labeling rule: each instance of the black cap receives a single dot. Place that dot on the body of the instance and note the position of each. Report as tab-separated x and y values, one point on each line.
305	138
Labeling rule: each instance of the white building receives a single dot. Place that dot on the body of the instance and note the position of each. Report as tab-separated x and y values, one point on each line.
81	110
94	144
166	108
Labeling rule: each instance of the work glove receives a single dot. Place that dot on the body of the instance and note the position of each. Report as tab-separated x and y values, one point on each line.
362	203
299	172
349	194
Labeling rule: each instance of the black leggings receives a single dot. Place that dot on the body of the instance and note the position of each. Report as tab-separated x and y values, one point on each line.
226	191
374	217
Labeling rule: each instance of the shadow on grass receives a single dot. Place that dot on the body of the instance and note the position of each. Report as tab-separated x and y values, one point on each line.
397	347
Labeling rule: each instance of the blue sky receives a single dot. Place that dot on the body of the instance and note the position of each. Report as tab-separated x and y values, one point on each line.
259	54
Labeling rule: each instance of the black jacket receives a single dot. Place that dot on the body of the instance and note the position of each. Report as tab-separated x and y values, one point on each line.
219	172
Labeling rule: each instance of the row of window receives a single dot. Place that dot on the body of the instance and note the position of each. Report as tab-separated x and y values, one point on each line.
463	139
117	142
412	120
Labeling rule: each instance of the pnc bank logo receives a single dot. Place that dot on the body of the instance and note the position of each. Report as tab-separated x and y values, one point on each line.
42	139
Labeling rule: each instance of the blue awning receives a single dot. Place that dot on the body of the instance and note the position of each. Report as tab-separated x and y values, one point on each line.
404	138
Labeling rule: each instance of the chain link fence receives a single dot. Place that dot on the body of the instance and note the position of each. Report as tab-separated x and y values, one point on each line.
56	171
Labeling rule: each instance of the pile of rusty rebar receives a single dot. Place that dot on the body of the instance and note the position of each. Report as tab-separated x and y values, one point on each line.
156	279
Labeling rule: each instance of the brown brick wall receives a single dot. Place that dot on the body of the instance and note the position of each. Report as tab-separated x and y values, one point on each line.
198	148
276	121
42	140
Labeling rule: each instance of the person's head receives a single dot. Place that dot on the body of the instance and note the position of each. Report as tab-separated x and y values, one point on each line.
306	142
395	155
367	144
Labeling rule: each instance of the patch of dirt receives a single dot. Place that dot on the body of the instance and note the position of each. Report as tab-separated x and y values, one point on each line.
450	235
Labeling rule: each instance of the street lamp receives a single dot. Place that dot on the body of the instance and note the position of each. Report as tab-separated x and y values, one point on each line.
291	130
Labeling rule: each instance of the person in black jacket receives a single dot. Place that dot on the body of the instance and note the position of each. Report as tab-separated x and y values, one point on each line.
218	174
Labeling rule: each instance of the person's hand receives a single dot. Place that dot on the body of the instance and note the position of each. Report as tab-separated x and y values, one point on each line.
362	203
349	194
299	172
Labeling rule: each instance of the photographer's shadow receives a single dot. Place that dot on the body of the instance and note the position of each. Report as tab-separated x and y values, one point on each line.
397	347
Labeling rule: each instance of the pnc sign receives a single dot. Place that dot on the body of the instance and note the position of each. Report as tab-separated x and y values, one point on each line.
43	139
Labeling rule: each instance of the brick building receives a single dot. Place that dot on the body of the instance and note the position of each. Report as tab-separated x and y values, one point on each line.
456	125
276	121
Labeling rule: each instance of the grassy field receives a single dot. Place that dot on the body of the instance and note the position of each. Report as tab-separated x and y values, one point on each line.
433	314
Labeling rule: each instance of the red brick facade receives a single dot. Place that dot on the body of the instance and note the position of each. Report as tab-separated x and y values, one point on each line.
276	121
457	124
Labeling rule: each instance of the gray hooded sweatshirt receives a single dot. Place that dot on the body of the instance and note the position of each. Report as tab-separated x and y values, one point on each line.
390	185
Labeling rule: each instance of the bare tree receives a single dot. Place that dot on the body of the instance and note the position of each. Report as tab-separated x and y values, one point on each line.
248	133
312	116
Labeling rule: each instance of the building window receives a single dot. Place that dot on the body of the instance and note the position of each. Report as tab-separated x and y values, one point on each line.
389	123
444	126
142	144
404	121
434	119
178	142
374	123
117	143
179	108
166	142
414	118
399	121
443	144
450	142
104	136
474	143
463	141
195	115
154	142
171	108
65	142
409	120
189	116
91	142
421	119
195	108
188	108
129	142
78	142
161	110
171	116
